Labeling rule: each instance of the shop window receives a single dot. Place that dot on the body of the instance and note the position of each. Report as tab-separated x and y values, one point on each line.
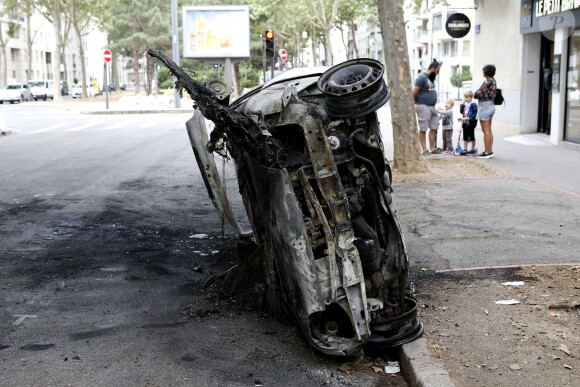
437	22
466	48
445	48
572	128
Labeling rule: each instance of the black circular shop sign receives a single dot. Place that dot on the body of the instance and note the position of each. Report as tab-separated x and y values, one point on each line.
457	25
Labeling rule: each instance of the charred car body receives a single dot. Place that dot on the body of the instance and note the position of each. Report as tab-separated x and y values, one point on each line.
317	190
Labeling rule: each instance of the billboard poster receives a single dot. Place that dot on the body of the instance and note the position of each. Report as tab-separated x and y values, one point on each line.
216	32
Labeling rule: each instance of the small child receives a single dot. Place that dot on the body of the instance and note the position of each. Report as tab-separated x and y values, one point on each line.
469	111
447	122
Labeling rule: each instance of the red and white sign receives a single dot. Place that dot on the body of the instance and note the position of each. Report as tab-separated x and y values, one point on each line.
107	55
283	54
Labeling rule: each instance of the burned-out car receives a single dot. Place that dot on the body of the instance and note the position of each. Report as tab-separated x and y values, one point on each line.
317	191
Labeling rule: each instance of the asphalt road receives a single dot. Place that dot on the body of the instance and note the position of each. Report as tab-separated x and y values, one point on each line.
108	237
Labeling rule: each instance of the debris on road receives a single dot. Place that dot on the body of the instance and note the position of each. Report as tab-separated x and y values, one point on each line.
393	367
564	348
516	283
507	302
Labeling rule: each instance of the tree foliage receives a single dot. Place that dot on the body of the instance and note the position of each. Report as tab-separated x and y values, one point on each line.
133	26
464	76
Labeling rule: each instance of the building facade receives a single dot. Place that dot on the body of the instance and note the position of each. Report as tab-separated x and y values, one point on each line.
550	51
427	39
42	51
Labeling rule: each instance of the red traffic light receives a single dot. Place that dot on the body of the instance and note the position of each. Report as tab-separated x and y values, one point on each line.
269	35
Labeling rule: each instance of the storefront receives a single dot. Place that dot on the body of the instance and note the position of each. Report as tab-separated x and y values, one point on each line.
551	31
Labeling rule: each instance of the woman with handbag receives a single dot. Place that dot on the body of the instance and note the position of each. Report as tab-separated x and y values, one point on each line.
486	109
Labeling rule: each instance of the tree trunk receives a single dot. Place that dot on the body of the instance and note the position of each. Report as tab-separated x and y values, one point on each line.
237	83
328	46
81	50
403	117
149	73
29	42
3	68
115	71
136	56
354	44
313	38
58	44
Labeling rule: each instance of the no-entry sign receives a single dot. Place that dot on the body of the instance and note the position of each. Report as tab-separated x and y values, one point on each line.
283	54
107	55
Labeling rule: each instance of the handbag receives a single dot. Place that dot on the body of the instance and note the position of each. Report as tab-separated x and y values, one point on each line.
498	99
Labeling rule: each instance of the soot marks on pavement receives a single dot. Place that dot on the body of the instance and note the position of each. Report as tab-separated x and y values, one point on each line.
504	274
35	206
36	347
189	358
158	269
92	334
164	325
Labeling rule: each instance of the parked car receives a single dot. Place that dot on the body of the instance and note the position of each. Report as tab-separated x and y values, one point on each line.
111	87
15	92
42	89
77	91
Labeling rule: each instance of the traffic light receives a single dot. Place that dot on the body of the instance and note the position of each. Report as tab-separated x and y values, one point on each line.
270	44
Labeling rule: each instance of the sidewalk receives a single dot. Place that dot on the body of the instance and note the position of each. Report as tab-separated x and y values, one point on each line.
515	219
128	103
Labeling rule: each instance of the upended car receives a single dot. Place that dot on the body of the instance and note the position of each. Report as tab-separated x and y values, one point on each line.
317	190
15	92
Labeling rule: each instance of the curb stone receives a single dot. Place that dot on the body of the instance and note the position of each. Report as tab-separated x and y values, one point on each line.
142	111
420	367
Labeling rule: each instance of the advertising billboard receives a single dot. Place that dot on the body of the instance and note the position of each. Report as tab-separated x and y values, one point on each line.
216	32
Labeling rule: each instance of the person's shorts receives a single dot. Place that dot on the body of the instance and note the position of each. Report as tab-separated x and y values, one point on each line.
485	110
469	132
427	117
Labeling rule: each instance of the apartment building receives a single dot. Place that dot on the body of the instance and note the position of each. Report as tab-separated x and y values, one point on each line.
427	39
42	50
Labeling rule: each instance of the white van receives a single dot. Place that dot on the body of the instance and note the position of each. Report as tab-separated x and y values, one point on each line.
43	89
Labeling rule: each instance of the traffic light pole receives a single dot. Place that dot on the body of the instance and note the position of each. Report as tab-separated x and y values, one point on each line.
272	65
264	59
272	58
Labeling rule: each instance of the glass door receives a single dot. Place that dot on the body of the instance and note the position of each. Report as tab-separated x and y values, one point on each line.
572	128
545	101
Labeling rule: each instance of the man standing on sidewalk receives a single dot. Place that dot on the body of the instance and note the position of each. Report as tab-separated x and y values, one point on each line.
425	97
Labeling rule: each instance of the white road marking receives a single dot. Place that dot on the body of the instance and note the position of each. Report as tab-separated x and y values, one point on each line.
49	128
116	125
21	318
149	124
81	127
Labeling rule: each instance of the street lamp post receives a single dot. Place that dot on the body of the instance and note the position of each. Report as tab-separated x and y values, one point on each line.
458	82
